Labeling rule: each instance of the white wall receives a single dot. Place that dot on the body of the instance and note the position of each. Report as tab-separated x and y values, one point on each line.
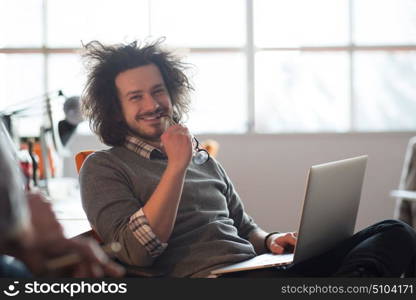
269	171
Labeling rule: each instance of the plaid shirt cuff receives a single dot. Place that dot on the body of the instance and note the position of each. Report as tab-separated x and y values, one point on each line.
141	229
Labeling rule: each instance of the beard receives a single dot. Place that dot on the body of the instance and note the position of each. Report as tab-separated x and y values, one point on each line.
145	134
150	132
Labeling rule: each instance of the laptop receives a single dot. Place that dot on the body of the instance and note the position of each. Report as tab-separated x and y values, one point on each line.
329	212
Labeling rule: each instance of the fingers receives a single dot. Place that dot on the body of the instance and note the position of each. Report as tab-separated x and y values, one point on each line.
74	258
84	271
283	242
167	121
43	219
113	269
89	250
291	239
276	248
177	144
178	129
175	130
104	265
95	263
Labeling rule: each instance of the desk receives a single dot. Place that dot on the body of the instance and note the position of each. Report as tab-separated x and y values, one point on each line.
66	203
73	227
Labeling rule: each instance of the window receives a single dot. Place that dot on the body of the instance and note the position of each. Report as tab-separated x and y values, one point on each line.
301	91
20	23
70	23
335	65
265	66
190	23
21	78
385	90
218	101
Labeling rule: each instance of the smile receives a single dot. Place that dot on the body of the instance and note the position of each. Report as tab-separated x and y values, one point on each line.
151	118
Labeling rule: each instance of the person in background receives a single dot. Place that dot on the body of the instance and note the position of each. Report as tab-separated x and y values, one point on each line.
30	233
73	117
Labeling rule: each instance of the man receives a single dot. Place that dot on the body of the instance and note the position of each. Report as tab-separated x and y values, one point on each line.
30	232
146	193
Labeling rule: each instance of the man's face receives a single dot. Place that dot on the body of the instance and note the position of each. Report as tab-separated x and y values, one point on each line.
144	101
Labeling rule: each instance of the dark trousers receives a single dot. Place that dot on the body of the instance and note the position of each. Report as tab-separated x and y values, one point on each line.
12	268
387	249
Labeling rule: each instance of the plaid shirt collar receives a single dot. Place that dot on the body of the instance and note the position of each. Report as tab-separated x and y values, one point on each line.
142	148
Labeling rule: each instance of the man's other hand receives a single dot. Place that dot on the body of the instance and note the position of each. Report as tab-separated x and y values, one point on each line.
280	243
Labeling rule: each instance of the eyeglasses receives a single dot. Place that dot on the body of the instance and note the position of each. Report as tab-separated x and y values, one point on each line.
200	155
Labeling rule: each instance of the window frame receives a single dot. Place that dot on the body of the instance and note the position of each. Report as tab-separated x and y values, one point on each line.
249	50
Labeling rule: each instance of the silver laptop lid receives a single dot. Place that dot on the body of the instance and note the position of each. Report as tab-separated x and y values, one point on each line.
330	206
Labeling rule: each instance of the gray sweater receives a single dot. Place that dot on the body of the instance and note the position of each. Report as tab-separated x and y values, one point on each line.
211	227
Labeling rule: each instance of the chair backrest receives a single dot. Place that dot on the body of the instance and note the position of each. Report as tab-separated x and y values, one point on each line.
80	158
405	209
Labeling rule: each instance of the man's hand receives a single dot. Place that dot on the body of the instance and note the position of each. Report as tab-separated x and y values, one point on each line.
93	262
44	223
177	143
47	242
280	243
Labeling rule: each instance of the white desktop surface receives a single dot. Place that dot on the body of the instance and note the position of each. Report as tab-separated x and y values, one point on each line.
66	203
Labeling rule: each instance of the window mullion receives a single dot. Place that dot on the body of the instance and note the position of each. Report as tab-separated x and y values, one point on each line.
250	76
352	111
45	45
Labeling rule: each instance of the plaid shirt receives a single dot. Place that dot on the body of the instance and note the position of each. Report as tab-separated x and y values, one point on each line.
138	223
143	149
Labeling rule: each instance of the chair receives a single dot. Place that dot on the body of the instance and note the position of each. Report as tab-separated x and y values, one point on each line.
212	146
405	209
80	158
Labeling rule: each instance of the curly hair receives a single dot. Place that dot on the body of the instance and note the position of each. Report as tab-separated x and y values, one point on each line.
100	102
